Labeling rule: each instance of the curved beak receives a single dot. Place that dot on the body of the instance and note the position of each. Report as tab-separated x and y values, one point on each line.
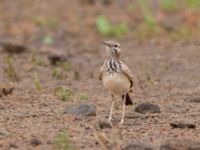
106	43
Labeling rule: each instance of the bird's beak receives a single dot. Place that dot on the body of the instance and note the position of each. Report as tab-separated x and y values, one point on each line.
106	43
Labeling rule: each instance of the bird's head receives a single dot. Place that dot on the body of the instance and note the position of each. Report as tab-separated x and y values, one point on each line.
112	48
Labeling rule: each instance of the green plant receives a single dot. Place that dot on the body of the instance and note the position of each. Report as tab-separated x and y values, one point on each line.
34	58
149	19
66	65
62	141
56	73
131	7
10	69
51	22
37	82
63	93
107	29
193	4
84	96
48	40
169	5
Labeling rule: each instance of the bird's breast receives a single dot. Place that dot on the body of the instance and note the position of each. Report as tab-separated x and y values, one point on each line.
116	83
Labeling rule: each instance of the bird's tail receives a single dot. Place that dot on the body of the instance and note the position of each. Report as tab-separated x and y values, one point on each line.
128	99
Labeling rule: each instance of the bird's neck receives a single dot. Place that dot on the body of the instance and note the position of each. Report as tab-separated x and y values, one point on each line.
113	57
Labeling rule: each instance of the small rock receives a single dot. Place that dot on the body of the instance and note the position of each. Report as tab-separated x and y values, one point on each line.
55	59
138	146
180	144
82	109
3	133
35	142
88	2
49	142
107	2
147	108
182	125
104	125
195	99
6	89
13	47
13	145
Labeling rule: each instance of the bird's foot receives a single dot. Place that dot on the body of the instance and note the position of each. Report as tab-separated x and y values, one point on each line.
121	123
110	121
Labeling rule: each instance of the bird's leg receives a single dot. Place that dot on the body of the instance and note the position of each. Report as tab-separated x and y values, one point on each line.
123	111
111	110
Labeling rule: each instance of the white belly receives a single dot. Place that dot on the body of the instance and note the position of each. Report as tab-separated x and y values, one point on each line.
116	83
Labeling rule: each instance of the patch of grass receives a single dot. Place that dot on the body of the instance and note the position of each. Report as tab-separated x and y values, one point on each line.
34	58
193	4
56	73
146	9
150	82
65	65
107	29
63	93
148	27
48	40
169	5
10	69
51	22
62	141
131	7
83	96
37	82
183	33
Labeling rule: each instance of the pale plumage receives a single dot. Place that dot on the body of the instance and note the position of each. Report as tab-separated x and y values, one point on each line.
116	76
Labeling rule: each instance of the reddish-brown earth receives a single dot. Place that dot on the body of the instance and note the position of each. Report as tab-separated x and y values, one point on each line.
166	74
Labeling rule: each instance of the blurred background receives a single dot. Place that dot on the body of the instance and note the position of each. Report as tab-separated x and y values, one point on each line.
63	22
50	55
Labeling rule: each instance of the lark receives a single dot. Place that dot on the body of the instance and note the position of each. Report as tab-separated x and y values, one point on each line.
116	77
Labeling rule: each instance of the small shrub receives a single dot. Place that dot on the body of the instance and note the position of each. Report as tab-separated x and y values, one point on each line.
10	69
62	142
63	93
169	5
84	96
193	4
107	29
56	73
34	58
51	22
48	40
37	82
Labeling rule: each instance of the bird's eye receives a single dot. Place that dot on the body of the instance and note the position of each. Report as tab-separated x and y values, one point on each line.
116	45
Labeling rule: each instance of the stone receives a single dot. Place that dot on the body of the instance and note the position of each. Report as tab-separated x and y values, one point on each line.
194	99
6	89
55	59
35	142
138	146
82	109
180	144
147	108
3	133
104	125
182	125
14	48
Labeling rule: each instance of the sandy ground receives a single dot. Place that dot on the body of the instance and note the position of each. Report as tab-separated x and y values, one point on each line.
165	74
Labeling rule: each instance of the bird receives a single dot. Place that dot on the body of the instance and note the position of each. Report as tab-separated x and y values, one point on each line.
116	77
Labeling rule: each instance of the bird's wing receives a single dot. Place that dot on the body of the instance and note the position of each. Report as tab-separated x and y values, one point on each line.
127	72
101	73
